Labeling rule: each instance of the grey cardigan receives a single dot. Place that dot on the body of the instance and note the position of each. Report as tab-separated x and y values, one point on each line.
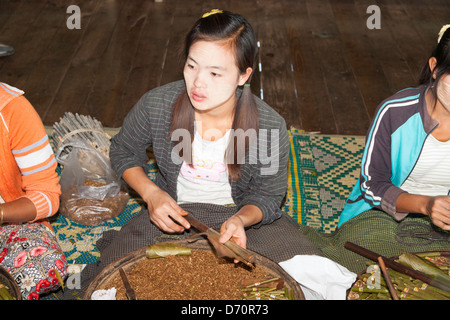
148	125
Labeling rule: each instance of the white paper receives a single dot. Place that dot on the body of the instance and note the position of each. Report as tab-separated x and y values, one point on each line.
109	294
319	277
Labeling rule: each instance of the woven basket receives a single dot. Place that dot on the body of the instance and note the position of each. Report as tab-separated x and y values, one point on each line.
129	260
7	280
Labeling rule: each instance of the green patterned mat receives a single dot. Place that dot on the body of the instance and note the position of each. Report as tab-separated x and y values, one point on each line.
322	172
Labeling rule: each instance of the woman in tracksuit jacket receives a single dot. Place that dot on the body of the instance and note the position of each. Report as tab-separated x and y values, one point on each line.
395	140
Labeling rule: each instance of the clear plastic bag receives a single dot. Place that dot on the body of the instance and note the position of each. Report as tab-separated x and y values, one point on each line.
91	191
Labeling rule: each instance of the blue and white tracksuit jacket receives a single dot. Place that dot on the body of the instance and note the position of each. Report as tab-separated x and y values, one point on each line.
393	145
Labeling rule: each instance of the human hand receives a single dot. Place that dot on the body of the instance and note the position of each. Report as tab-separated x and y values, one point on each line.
233	229
165	213
438	209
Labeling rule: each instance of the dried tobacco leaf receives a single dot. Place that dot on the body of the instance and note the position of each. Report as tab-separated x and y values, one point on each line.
162	250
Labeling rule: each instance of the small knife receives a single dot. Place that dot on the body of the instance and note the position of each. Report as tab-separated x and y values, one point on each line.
131	295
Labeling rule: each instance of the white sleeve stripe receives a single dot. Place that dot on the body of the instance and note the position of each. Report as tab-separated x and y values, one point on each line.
48	165
371	144
34	158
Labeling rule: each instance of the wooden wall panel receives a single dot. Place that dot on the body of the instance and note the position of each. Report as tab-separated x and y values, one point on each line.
320	67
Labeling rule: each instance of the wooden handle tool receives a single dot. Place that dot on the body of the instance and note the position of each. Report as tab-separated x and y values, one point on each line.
131	295
387	277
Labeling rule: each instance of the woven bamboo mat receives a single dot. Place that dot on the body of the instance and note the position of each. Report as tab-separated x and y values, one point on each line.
322	172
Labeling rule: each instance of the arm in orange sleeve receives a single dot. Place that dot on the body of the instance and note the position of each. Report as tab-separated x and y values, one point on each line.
34	156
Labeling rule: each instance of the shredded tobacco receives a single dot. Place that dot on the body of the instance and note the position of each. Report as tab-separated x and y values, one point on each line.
200	276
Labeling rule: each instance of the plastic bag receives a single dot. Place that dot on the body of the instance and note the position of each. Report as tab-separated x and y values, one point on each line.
91	191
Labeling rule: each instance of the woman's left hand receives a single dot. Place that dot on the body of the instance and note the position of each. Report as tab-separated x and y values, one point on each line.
233	229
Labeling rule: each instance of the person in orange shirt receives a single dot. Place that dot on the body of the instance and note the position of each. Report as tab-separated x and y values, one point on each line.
29	193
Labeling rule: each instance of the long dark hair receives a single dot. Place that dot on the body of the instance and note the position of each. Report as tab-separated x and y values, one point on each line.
235	31
442	55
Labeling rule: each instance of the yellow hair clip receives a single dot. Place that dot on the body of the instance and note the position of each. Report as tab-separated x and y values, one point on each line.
213	11
441	33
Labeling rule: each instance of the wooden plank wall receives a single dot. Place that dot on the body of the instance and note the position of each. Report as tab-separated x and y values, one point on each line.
321	67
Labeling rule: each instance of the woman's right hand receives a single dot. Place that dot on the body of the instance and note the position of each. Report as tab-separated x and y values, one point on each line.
163	210
165	213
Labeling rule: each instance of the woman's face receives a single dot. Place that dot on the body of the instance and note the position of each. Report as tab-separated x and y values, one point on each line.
212	76
443	91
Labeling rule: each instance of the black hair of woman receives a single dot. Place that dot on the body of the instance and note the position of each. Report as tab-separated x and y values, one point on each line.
438	64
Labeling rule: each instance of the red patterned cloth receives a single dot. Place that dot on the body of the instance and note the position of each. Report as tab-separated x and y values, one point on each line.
32	255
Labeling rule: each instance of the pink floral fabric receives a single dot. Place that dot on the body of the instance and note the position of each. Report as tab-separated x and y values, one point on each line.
33	257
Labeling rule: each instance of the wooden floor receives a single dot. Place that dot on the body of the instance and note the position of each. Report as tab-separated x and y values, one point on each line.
321	67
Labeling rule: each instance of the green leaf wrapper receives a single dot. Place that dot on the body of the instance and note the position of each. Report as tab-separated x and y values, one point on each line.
162	250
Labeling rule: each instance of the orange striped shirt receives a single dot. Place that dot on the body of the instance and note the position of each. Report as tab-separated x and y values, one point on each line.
30	160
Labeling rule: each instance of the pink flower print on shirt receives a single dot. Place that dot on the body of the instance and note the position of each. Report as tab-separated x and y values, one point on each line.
203	170
38	251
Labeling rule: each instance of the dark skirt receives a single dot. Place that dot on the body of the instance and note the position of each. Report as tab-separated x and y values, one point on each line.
376	231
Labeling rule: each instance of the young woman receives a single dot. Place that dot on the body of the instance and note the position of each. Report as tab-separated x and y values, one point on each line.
404	180
207	98
405	164
29	193
222	154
